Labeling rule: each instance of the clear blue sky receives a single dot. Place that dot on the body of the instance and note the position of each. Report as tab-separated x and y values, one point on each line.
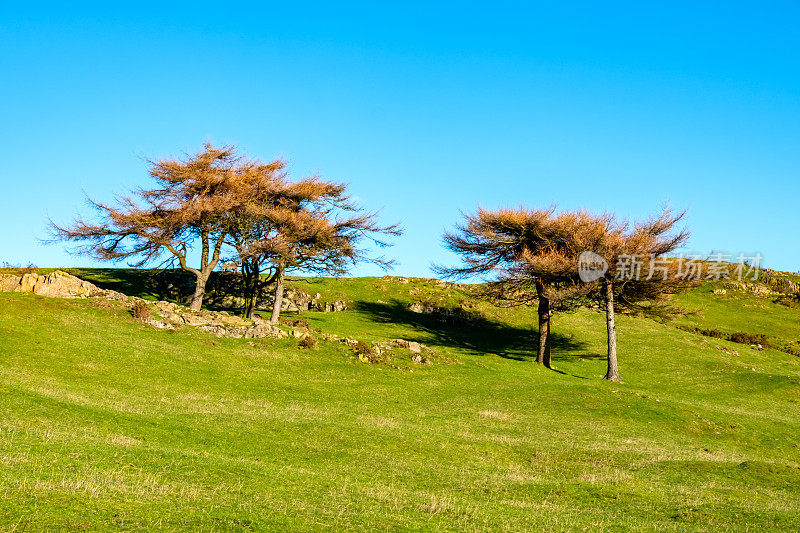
423	109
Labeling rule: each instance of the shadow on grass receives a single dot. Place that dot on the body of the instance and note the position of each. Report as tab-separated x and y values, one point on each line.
479	336
172	285
129	281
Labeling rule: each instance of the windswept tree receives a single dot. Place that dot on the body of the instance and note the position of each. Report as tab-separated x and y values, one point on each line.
310	225
532	256
639	276
492	245
248	228
189	205
553	267
526	256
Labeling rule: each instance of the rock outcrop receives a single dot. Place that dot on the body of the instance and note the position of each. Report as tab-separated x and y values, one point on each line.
296	300
56	284
374	352
59	284
218	323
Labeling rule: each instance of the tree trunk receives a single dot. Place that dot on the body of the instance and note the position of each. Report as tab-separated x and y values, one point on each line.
276	305
254	290
206	266
199	292
543	355
205	270
549	342
251	272
245	288
613	371
204	251
250	307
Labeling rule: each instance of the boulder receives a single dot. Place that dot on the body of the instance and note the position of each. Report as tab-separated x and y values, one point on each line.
412	346
195	320
27	283
238	332
157	323
219	331
417	307
232	320
400	343
172	318
299	334
350	341
288	304
169	311
166	307
420	359
330	307
56	284
59	284
762	291
264	330
9	283
108	294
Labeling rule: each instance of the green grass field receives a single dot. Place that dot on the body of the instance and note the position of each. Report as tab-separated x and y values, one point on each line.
107	424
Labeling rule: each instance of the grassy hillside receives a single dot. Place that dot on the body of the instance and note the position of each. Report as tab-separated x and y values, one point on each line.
108	424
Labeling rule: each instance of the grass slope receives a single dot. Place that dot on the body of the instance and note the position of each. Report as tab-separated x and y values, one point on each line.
108	424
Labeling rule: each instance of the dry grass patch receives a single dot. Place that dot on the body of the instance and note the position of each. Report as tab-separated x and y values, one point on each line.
496	415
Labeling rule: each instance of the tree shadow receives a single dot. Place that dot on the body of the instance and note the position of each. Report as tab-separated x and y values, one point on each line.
129	281
584	354
173	285
475	334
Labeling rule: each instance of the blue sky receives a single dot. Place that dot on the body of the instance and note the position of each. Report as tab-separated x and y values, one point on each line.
424	110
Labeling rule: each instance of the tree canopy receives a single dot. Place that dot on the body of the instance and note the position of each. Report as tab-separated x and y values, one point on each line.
218	197
529	256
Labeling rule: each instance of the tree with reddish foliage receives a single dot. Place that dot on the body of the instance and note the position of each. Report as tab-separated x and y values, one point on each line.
309	225
191	202
639	276
526	256
531	256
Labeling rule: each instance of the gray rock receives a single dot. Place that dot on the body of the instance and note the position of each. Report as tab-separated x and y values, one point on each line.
194	320
417	307
350	341
420	359
156	323
264	330
289	305
330	307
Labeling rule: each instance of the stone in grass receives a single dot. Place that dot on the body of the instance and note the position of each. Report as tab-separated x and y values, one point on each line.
420	359
412	346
